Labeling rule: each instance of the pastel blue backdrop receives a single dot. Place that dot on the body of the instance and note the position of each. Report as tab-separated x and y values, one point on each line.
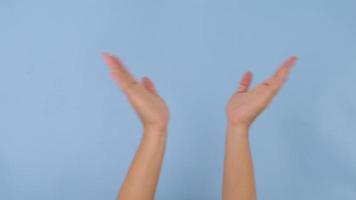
67	132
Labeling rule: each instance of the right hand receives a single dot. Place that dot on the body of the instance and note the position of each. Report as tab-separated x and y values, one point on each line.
245	105
143	95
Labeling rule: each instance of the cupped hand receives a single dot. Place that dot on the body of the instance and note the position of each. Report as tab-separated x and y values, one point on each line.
142	95
245	105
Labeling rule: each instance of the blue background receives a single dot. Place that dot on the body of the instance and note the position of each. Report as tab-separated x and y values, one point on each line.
67	132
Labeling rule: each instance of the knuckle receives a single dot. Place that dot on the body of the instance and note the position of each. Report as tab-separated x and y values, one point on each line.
274	88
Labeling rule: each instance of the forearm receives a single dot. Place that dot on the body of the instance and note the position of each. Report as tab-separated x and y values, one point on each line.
142	177
239	182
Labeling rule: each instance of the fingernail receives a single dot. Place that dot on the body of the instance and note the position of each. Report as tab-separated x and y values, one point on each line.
108	59
104	54
294	57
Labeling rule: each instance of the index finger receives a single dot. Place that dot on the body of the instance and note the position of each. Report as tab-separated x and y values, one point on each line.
284	70
119	72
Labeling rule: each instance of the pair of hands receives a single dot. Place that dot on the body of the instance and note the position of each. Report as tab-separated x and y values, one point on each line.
242	109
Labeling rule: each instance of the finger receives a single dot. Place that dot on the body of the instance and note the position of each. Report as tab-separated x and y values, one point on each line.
148	84
245	82
280	76
119	72
283	71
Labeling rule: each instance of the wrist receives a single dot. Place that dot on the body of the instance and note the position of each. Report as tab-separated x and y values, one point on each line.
154	135
234	122
155	129
238	126
241	129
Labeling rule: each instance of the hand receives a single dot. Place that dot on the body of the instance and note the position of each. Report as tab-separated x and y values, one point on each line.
143	95
244	106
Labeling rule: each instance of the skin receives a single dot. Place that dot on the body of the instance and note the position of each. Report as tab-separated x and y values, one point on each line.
242	109
143	174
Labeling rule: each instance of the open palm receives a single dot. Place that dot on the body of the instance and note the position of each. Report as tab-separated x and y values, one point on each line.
143	95
245	105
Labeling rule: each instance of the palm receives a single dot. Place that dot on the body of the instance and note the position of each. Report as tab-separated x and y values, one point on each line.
245	105
143	96
150	106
